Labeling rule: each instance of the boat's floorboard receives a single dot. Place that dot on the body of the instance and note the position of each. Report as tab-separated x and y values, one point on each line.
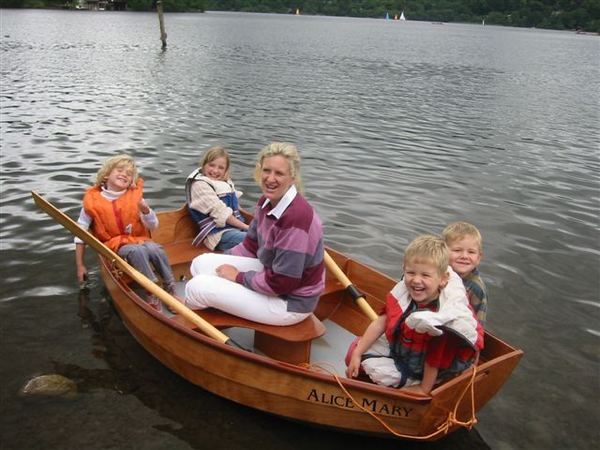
243	337
330	349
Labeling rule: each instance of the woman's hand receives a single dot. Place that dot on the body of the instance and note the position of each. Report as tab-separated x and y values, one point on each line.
227	271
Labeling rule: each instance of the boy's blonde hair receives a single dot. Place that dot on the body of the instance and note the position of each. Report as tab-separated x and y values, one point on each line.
289	152
459	230
218	151
428	249
111	163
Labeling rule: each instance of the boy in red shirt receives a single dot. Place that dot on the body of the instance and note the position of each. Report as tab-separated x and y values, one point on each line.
428	336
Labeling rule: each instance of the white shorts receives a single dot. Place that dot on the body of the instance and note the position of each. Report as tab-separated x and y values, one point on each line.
207	290
381	368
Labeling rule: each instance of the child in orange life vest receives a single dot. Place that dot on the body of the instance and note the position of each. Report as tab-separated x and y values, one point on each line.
428	335
118	215
465	244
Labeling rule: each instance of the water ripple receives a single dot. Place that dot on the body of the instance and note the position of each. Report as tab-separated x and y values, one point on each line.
492	125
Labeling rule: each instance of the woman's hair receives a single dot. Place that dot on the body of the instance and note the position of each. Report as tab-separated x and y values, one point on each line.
459	230
213	153
428	249
289	152
111	163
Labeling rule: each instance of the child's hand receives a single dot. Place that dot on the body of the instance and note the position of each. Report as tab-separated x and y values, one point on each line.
82	275
353	366
143	206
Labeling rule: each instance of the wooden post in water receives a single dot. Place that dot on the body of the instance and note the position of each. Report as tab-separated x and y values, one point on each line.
161	22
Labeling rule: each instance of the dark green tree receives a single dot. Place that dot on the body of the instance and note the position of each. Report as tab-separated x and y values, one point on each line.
556	14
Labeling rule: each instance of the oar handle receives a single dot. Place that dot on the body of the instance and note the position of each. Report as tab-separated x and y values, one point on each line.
206	327
352	290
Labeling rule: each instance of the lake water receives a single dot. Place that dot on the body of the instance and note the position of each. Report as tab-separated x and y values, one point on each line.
403	128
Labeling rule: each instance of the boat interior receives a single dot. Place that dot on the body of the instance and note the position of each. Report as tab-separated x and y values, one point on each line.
327	351
325	338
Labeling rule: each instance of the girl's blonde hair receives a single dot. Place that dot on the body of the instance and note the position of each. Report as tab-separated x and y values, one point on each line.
213	153
459	230
428	249
289	152
115	161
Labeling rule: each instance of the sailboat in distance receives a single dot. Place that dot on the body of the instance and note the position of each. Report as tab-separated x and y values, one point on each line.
402	16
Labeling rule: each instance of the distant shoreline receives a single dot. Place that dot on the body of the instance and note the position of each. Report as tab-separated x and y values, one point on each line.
434	22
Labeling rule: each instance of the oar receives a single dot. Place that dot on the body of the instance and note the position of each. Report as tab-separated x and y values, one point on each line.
352	290
136	276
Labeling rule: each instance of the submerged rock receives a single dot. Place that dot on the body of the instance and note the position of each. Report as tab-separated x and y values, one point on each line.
52	385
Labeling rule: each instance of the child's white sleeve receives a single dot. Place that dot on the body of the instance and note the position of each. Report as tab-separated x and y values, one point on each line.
454	290
150	220
84	221
205	200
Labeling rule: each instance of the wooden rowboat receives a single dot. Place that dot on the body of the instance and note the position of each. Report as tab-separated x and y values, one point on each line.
291	371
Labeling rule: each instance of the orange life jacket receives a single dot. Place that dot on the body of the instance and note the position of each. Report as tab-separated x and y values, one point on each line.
116	223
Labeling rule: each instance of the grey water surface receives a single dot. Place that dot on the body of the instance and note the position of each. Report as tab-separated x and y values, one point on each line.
403	128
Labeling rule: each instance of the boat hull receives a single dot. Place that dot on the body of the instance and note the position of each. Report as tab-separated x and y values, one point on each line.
309	394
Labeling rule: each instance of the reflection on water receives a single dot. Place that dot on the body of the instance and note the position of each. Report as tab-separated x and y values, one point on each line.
402	128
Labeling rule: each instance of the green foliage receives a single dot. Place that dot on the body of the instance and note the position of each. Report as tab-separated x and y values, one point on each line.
11	3
25	3
139	5
555	14
168	5
183	5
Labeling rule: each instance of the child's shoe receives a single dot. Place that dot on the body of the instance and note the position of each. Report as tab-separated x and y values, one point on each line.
154	301
180	300
171	288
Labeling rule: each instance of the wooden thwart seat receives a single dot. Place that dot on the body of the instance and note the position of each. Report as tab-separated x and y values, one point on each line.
182	252
289	343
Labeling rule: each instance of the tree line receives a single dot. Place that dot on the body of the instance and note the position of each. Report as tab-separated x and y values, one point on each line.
581	15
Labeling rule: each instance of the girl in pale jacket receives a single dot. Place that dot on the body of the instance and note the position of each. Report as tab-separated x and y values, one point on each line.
213	202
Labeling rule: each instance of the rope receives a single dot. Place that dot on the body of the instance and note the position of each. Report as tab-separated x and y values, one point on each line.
443	428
